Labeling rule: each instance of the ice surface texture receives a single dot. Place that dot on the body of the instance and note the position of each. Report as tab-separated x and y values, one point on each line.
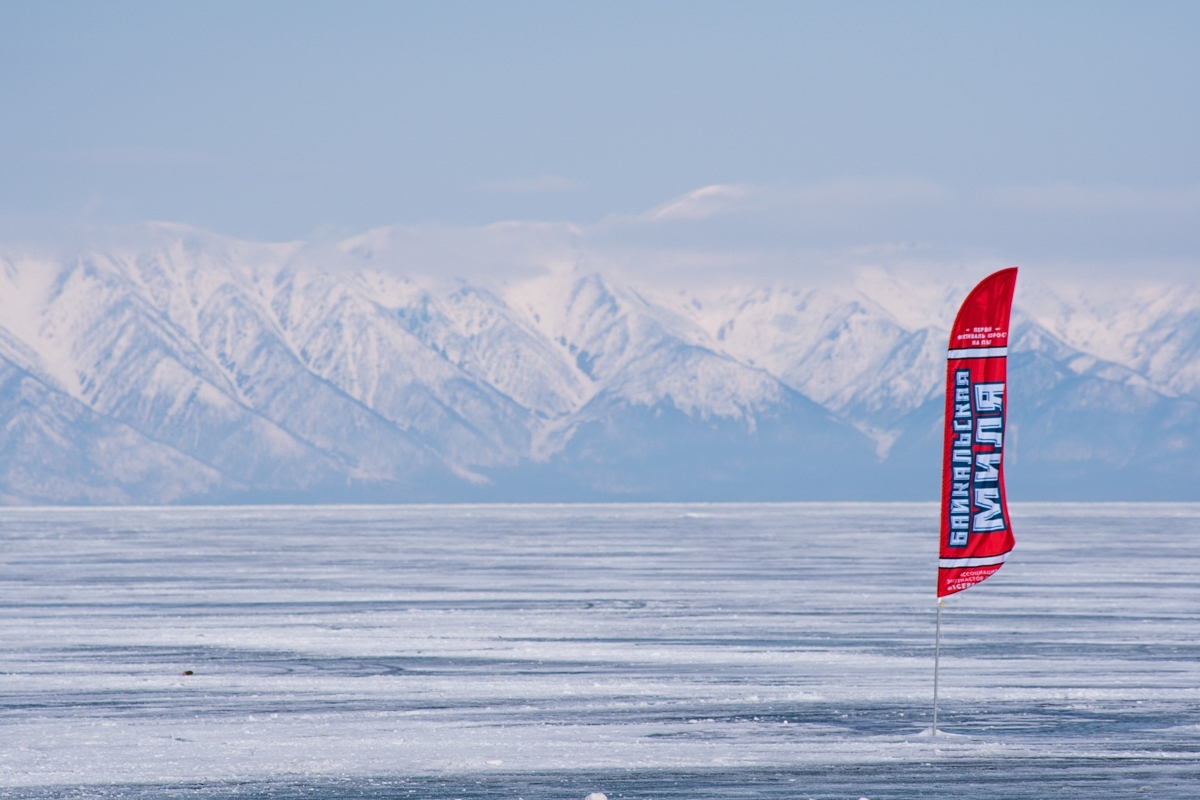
552	651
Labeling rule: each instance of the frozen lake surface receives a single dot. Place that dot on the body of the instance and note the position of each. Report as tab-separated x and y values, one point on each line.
648	651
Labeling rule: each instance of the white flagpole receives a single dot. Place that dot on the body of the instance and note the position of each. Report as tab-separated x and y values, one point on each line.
937	646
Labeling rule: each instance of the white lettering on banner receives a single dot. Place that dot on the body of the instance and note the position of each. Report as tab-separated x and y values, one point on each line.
989	398
989	437
990	430
989	518
987	467
960	517
975	504
962	395
959	511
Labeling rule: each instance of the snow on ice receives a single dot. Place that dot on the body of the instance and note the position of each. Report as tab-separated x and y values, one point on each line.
558	651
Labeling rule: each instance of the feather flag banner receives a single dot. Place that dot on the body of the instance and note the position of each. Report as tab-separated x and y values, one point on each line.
976	534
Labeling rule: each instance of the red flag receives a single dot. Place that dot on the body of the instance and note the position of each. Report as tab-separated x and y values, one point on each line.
976	532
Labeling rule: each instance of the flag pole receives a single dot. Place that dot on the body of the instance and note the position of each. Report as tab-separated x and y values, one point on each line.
937	647
974	530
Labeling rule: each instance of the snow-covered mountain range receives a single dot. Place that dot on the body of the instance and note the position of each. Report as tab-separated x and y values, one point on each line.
193	367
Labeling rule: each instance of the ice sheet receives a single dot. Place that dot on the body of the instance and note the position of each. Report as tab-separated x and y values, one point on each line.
548	651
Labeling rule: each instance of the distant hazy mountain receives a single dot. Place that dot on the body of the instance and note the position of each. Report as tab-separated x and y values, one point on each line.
195	368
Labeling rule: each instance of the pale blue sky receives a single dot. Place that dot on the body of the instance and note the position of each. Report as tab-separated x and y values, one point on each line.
277	120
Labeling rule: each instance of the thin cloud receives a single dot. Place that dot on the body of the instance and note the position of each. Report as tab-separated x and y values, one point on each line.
828	233
745	234
820	230
703	203
501	250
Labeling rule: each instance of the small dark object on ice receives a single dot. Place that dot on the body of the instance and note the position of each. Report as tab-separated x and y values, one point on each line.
188	672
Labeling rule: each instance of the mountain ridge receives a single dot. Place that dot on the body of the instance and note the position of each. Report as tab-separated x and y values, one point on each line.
249	371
